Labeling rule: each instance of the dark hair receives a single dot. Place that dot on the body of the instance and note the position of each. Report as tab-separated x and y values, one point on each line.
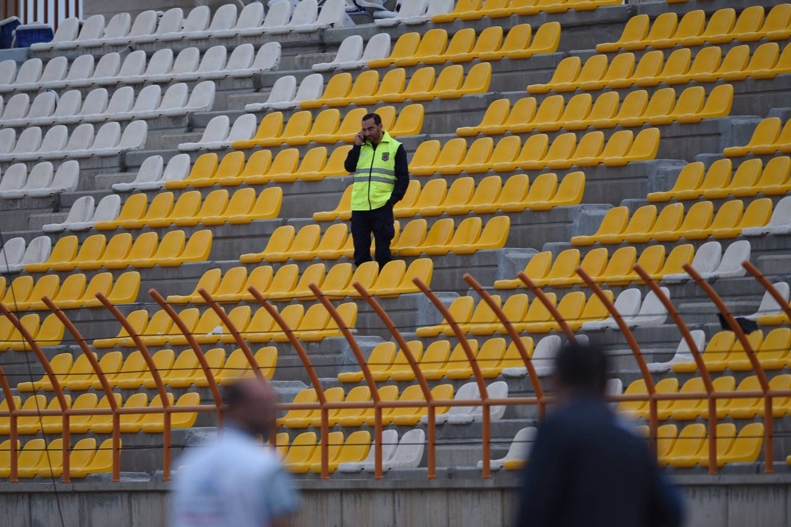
234	394
583	369
375	116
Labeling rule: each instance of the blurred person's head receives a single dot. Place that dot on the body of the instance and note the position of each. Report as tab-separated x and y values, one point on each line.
251	406
580	371
372	128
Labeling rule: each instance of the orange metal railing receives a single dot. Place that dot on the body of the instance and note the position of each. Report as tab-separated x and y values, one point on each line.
711	396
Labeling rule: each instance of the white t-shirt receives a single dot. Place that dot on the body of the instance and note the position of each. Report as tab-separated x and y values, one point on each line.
236	482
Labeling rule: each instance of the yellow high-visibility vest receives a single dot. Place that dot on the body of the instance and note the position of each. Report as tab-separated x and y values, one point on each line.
375	176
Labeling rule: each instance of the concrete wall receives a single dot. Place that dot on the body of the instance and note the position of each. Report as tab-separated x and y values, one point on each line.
720	501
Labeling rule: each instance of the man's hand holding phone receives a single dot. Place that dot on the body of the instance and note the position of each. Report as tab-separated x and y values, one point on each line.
359	139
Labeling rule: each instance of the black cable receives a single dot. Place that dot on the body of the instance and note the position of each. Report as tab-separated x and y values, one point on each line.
52	477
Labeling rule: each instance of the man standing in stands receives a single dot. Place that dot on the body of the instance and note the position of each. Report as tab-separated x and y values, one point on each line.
586	468
236	482
381	176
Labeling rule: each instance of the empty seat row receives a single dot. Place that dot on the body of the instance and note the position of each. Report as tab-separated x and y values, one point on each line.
198	25
259	169
83	142
599	72
354	54
606	111
37	458
770	136
536	153
42	181
103	423
191	209
424	85
476	9
132	372
416	12
176	370
690	409
778	224
618	268
415	238
83	215
463	197
691	446
723	27
438	361
311	325
725	352
435	47
285	95
751	178
48	108
120	252
400	416
579	312
304	454
287	284
15	254
672	224
74	292
353	455
301	128
110	70
47	333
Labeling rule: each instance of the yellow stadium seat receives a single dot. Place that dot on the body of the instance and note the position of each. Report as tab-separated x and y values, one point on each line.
487	192
279	242
588	151
203	168
230	168
604	108
493	236
766	133
637	109
404	207
24	294
561	149
490	40
757	214
542	190
432	45
689	102
635	30
775	25
537	268
31	457
515	190
338	87
448	84
405	46
522	113
271	126
468	232
566	73
663	27
477	155
451	155
392	85
134	208
364	86
425	157
460	309
64	251
495	115
644	148
774	179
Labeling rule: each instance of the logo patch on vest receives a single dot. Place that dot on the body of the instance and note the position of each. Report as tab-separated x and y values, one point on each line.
385	156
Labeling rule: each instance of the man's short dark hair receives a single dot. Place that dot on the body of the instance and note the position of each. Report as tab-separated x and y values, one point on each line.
375	116
583	369
234	394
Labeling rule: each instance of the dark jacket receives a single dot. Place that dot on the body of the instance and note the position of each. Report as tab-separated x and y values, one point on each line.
586	469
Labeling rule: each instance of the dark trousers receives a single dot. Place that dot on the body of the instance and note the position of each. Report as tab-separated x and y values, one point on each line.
380	223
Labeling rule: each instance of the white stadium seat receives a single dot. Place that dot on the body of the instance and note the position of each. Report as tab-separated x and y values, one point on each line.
150	171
